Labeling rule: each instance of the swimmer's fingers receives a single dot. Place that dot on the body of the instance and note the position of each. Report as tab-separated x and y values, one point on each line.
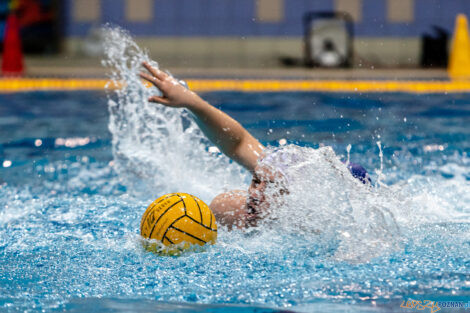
155	71
158	83
157	99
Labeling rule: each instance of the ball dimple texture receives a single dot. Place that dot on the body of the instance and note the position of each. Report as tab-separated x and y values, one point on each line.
179	218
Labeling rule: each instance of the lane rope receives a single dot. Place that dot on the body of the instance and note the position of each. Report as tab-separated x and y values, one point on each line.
453	86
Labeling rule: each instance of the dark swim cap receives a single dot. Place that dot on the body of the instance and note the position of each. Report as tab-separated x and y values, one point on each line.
357	171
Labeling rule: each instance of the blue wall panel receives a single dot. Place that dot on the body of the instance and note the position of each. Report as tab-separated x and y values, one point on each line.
373	18
238	18
165	13
112	11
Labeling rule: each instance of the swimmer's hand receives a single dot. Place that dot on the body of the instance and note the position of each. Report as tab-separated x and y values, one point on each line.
226	133
174	94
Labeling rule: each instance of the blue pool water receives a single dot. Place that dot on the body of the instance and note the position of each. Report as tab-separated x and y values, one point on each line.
72	193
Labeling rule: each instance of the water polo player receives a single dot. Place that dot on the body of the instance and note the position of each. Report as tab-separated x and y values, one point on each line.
238	207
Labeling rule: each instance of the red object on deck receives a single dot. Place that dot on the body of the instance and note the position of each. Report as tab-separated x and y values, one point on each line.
12	63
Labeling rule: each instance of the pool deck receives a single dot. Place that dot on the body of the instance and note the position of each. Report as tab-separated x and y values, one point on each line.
66	73
76	67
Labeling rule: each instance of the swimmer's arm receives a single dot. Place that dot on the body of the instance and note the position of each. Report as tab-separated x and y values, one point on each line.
225	132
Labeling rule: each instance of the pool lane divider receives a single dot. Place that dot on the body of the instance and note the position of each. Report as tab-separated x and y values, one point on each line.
8	85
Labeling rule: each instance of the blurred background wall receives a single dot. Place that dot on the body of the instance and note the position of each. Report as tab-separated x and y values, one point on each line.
252	33
39	20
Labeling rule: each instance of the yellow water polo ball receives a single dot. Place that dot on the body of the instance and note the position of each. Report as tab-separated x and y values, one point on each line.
178	220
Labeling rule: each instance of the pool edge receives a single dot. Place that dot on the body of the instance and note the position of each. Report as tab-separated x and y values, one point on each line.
10	85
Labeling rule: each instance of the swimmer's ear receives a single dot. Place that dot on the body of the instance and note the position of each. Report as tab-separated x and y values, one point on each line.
157	99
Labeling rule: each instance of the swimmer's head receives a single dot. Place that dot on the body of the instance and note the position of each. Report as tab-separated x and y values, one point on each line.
267	187
359	172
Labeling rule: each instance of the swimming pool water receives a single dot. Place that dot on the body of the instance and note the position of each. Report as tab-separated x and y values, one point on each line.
69	220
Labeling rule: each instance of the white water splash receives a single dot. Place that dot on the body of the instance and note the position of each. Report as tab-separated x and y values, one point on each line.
161	149
379	172
158	149
348	150
326	203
